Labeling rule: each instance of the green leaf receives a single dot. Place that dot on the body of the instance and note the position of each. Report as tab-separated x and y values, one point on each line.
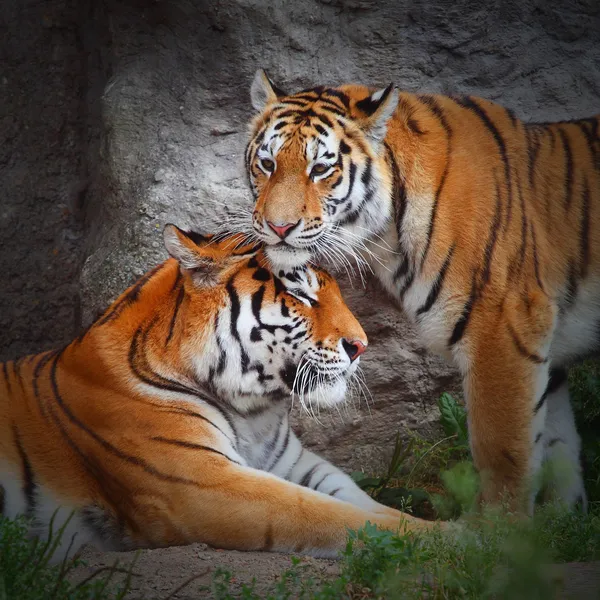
453	419
369	482
357	476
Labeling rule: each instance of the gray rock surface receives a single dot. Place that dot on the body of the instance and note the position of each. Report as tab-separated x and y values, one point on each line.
160	131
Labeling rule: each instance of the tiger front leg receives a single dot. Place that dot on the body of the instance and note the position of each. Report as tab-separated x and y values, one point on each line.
312	471
248	509
505	383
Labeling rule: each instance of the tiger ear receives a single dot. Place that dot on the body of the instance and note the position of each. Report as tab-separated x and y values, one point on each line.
263	92
378	108
205	256
185	248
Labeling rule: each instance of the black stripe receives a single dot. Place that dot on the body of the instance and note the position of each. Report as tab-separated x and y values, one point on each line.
572	285
184	412
516	263
408	112
477	287
540	403
44	359
591	137
463	321
138	364
281	450
141	369
316	487
17	373
321	130
134	460
538	437
568	168
334	492
28	483
407	283
436	288
470	104
234	317
438	112
557	378
402	269
366	174
106	480
344	99
338	201
509	457
491	244
178	301
523	351
6	379
337	182
305	481
513	120
554	441
344	148
317	91
129	297
584	232
331	107
398	190
191	446
533	149
524	225
301	102
536	262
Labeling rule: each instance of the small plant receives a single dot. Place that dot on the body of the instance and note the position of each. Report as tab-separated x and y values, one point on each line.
453	419
413	477
26	572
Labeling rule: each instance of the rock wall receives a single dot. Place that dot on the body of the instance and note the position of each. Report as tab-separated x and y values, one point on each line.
164	124
42	173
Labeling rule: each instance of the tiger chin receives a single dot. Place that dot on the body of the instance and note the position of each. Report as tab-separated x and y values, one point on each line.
167	421
483	228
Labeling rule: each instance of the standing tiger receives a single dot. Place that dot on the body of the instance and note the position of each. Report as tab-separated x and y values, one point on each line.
485	229
167	421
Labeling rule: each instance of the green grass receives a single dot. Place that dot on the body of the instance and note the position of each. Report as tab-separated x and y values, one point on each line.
26	572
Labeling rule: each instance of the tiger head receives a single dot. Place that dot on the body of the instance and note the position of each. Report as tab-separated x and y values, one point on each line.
317	167
270	334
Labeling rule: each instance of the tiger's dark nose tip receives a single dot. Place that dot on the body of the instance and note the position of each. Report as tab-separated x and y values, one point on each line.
353	348
282	230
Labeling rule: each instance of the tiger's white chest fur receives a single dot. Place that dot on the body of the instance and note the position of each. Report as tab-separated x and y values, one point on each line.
577	333
401	277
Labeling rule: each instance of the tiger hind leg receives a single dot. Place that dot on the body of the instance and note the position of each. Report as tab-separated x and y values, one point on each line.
561	472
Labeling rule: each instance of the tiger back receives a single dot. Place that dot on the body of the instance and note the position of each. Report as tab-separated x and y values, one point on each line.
167	421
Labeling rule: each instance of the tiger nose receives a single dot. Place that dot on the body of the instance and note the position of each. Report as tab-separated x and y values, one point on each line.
353	348
282	230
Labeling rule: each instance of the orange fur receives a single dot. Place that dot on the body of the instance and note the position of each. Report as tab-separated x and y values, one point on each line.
484	228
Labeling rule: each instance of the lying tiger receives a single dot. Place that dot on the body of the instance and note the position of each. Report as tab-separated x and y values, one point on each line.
485	229
167	421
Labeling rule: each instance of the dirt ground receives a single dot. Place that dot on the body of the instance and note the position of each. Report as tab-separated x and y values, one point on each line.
163	571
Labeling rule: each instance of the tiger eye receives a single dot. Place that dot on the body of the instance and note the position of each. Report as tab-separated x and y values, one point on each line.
267	164
319	169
